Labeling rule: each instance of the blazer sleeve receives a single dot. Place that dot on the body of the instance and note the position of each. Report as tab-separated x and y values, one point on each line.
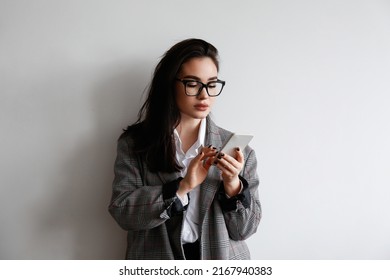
243	219
133	205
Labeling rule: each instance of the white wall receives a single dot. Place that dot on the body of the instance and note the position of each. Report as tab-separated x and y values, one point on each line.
310	79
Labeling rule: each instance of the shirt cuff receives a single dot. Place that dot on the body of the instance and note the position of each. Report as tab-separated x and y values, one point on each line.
184	201
243	198
172	202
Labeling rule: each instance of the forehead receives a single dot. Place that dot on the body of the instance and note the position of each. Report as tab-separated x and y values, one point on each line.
202	67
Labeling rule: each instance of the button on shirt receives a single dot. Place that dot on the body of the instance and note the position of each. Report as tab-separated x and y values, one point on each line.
190	231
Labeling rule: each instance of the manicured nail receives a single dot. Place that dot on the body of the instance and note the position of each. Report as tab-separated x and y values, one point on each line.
237	149
215	162
209	146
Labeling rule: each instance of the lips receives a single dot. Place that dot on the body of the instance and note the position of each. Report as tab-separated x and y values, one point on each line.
201	107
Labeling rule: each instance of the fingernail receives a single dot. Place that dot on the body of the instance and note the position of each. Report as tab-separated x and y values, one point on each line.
238	149
215	162
209	146
214	148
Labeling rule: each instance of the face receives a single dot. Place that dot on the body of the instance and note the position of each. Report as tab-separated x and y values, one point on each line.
200	69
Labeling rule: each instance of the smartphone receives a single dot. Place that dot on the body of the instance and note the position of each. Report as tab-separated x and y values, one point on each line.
236	141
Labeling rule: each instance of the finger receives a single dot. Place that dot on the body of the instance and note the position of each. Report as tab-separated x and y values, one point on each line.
210	153
208	160
232	161
204	155
207	151
226	167
207	164
209	148
199	157
239	155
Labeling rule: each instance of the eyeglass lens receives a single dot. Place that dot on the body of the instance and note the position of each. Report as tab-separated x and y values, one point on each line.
195	87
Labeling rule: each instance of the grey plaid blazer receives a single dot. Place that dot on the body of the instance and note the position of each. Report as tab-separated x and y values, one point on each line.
138	206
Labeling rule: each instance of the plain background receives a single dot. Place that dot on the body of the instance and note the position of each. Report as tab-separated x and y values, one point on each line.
310	79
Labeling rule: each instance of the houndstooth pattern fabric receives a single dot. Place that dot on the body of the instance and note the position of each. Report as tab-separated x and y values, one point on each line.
138	206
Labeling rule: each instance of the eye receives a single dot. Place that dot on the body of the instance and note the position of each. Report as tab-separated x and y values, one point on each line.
212	84
192	83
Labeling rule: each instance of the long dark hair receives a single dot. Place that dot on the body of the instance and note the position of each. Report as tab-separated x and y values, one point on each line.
159	115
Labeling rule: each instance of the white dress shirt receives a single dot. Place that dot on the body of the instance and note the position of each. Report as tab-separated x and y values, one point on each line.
190	232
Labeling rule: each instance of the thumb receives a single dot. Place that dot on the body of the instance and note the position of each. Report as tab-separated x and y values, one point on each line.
239	155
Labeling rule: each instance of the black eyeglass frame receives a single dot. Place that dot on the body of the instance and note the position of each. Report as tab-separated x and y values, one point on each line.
186	81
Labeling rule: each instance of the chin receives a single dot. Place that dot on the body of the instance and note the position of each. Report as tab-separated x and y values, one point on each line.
197	115
201	115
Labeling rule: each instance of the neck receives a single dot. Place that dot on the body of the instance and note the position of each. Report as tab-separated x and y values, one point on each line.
188	131
188	126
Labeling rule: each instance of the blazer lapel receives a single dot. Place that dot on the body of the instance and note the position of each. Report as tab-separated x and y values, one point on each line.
210	186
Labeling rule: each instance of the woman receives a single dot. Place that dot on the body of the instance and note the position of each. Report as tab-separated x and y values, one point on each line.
172	192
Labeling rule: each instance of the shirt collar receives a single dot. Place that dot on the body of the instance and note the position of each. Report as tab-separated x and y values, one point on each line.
199	142
202	132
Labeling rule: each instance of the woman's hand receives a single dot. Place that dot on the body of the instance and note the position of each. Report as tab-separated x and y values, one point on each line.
197	171
230	168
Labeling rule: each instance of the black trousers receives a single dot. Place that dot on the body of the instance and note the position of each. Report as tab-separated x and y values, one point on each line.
192	250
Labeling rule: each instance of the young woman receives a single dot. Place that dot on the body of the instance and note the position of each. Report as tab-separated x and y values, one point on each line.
172	193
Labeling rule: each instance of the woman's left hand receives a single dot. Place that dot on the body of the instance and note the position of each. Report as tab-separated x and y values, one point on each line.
230	168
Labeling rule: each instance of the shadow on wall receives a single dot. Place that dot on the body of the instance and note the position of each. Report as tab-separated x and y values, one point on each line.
78	215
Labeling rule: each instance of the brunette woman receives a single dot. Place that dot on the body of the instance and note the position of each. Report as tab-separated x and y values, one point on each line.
173	195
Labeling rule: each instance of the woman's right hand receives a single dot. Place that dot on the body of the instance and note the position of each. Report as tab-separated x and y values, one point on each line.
197	171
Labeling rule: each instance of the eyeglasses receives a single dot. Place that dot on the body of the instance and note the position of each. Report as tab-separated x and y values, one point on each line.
194	87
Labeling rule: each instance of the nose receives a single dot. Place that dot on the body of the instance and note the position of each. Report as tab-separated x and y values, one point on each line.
203	93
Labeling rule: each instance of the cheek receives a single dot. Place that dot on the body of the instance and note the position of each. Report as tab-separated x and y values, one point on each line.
181	100
178	96
183	103
212	101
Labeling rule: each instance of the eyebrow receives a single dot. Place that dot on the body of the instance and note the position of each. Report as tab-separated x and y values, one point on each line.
197	78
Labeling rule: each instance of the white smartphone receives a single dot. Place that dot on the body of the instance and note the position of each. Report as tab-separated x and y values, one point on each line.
236	141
